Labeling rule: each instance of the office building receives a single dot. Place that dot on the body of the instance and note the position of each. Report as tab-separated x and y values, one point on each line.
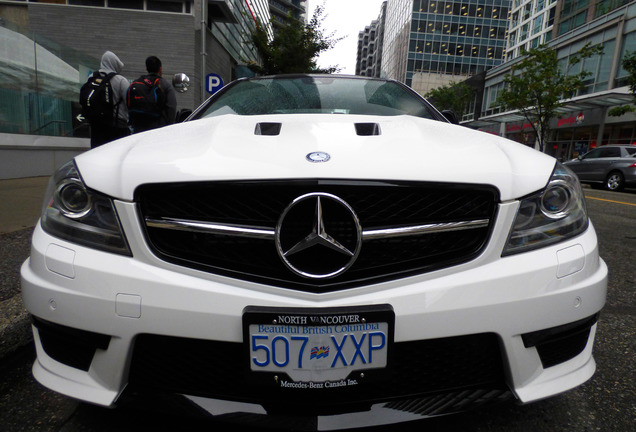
49	47
574	13
531	25
283	10
583	122
429	43
369	53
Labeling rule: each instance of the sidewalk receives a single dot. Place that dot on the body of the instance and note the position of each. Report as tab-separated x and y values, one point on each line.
21	202
20	206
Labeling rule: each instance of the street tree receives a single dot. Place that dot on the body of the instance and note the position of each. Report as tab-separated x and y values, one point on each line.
629	64
454	97
538	85
294	48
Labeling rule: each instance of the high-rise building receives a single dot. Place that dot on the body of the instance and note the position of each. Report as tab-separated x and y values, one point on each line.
531	25
584	121
429	43
283	10
369	55
574	13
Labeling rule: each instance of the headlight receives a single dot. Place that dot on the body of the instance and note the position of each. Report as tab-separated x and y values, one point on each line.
550	216
74	213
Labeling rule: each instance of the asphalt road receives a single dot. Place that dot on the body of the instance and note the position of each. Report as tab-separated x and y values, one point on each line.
607	402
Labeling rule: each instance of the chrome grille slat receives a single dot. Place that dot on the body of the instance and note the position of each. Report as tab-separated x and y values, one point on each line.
423	229
268	233
211	228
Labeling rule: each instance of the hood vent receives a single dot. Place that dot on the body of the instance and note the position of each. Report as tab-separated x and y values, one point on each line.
367	129
270	129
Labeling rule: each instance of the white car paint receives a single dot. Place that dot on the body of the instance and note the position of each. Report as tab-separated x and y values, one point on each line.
226	148
124	296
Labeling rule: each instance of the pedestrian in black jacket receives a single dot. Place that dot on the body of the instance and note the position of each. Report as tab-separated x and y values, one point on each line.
146	114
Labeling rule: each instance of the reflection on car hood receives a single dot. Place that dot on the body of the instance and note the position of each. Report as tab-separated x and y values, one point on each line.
227	148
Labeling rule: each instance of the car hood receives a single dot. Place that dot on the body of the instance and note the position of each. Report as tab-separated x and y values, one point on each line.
227	148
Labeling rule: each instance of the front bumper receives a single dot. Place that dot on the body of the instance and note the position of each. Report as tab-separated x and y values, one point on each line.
512	300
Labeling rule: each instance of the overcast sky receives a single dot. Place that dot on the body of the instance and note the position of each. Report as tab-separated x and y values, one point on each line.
346	18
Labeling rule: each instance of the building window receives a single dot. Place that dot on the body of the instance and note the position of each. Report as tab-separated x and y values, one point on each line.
606	6
126	4
174	6
165	6
86	2
629	45
537	24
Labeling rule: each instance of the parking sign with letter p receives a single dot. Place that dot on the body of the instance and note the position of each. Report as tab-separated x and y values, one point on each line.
213	83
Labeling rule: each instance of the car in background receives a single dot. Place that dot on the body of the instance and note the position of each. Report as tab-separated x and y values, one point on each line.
612	167
314	252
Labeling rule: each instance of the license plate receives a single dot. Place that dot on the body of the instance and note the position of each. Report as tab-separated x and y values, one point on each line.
318	347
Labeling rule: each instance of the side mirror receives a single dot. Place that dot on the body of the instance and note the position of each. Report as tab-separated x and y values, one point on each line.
181	82
450	116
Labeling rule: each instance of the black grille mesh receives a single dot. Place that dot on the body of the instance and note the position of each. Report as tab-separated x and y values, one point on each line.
221	370
378	205
73	347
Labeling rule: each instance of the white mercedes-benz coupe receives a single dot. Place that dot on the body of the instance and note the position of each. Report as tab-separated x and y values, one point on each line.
327	248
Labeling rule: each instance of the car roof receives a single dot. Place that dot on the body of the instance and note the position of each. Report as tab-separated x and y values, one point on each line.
614	146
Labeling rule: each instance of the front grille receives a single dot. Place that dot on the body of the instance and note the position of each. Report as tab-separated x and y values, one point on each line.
378	205
221	370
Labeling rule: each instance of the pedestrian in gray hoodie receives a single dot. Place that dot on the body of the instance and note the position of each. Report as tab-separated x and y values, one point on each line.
103	133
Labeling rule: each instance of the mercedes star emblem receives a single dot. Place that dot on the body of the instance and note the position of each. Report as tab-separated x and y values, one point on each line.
318	156
318	236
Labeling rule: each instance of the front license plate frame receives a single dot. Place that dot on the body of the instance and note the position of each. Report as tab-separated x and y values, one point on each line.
311	348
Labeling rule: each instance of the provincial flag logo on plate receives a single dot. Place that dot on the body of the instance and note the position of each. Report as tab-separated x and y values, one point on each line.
319	352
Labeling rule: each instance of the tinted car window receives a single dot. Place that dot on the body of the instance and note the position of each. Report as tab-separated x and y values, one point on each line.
631	151
308	94
593	154
604	152
610	152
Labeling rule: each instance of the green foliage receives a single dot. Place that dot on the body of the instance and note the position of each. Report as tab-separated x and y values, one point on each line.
294	48
629	64
537	86
618	111
454	97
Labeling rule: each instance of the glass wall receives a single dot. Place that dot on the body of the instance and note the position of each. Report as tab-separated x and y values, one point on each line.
628	47
39	84
396	39
234	36
461	37
598	67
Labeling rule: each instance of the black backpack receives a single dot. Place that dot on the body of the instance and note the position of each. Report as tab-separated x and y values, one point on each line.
145	99
97	99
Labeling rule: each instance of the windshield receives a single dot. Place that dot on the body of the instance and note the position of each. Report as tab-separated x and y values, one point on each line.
311	94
